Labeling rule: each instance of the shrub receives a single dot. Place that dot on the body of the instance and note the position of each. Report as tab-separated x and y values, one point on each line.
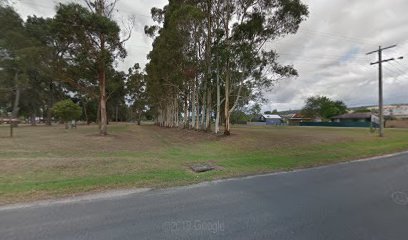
67	110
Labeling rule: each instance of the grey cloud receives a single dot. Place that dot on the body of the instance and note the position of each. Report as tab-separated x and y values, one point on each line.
138	45
318	51
332	31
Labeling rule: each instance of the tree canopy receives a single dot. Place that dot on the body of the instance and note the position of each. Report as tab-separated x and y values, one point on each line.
44	60
67	110
209	57
323	107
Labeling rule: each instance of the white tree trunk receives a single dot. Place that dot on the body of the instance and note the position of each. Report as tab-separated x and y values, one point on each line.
217	117
208	112
194	104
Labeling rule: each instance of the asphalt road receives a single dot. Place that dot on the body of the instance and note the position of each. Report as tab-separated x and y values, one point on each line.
359	200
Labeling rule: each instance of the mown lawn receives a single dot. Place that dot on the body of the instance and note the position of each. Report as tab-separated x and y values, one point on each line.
46	162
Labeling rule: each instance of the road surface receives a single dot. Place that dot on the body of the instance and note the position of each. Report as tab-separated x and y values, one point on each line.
358	200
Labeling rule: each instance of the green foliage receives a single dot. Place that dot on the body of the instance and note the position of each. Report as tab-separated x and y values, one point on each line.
27	63
254	111
362	110
203	46
67	110
93	44
81	29
136	91
275	111
323	107
239	117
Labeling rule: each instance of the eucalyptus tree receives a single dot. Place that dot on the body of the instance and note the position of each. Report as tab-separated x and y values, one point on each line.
174	71
216	48
248	26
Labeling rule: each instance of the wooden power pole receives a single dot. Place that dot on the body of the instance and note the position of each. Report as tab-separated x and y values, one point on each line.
380	84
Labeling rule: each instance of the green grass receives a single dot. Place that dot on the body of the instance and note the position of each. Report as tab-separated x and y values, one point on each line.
47	162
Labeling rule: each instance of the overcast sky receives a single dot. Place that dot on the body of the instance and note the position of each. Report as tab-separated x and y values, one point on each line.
328	51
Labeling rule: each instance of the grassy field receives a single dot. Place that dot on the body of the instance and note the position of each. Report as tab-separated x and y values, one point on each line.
46	162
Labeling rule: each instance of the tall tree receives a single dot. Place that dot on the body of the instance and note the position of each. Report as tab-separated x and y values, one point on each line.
136	91
94	42
25	60
13	43
215	49
248	25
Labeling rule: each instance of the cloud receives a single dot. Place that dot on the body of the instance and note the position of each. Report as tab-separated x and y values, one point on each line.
328	51
138	46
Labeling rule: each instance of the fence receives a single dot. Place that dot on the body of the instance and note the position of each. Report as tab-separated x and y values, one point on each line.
336	124
396	123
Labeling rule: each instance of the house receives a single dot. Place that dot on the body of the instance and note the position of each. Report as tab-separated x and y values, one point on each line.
296	118
272	119
266	119
347	120
397	111
353	117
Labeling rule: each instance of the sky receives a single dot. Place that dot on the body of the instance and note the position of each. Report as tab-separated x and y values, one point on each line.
329	50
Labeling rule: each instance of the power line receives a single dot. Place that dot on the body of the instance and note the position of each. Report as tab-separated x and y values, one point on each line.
397	68
334	35
332	57
405	69
395	74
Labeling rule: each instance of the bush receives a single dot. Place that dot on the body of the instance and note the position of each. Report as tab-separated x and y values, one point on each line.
67	110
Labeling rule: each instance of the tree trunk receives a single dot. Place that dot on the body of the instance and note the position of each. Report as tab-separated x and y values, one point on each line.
104	120
227	130
203	107
49	116
50	104
193	105
217	117
208	112
208	72
84	105
16	107
117	113
102	73
98	114
185	110
32	119
197	124
139	118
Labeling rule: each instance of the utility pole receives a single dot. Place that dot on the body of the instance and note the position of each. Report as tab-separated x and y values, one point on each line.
380	83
